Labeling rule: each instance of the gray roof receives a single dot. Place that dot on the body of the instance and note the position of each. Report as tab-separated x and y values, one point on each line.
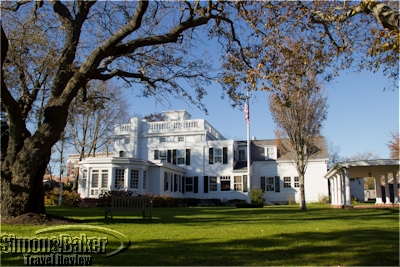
365	168
258	151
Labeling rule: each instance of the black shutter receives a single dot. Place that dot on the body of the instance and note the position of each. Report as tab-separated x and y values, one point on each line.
277	184
262	183
224	155
205	184
187	156
169	156
196	184
174	156
210	155
245	183
155	154
183	184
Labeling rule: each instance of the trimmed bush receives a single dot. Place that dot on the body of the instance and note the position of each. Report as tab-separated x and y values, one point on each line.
69	198
256	195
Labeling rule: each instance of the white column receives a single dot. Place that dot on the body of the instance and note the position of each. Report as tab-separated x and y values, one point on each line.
338	190
387	191
346	181
335	185
378	191
333	197
395	188
127	173
140	183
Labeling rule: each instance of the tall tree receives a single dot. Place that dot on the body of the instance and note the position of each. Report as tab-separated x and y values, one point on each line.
394	145
340	34
298	110
333	152
91	123
153	44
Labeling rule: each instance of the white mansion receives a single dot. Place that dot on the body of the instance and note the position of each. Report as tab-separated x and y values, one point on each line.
188	158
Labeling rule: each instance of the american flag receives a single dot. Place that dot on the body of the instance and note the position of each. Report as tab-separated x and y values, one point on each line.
246	112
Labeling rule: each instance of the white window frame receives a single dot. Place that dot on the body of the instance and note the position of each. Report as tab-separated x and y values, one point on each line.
134	179
162	154
225	183
270	152
95	182
119	179
213	183
296	182
84	178
127	140
270	184
189	187
104	174
238	184
181	139
218	155
163	139
287	182
180	156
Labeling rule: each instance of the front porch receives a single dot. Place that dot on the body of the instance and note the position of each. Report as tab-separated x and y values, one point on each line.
339	179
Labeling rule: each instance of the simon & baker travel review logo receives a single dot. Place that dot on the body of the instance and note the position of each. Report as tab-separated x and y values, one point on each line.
58	246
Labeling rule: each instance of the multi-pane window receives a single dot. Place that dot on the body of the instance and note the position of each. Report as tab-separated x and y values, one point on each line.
95	178
104	178
270	153
213	183
189	184
225	183
217	155
163	139
296	181
119	181
134	181
287	182
242	155
166	181
181	139
270	184
237	183
144	179
84	178
94	191
180	156
127	140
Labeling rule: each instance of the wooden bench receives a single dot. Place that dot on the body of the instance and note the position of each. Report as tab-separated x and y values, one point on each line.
129	204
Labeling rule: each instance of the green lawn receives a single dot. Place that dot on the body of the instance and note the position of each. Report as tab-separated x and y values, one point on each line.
279	235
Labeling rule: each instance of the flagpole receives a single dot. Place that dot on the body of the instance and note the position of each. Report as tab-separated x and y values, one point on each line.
248	147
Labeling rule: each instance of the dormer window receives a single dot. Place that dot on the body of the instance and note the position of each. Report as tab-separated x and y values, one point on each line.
270	152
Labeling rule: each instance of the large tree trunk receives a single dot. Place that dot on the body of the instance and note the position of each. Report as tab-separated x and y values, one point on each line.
23	167
302	192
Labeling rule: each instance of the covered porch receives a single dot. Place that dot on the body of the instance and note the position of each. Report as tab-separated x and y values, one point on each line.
341	173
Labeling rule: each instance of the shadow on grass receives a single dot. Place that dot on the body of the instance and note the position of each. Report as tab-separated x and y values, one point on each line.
224	214
306	248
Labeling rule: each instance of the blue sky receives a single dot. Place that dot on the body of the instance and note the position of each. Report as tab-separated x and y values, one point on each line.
360	114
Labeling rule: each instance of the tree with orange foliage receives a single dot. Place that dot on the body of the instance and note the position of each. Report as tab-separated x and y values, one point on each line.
394	145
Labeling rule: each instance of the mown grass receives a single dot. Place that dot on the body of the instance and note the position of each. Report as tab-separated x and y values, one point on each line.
226	236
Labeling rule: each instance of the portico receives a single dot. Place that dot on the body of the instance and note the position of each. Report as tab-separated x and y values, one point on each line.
341	173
